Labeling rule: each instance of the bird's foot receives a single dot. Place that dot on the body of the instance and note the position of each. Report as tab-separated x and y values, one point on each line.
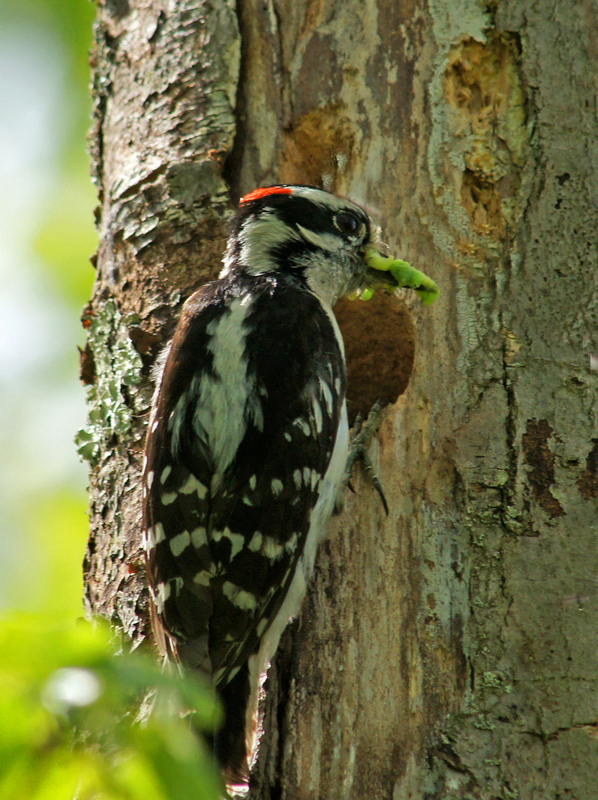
363	433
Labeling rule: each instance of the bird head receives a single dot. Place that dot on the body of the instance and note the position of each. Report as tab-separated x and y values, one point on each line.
308	235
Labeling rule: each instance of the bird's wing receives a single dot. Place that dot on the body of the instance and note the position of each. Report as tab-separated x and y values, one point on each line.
244	430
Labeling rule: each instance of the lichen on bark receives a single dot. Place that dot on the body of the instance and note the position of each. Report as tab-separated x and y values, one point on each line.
112	397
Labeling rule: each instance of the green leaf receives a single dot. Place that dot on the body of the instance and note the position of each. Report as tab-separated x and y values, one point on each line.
58	742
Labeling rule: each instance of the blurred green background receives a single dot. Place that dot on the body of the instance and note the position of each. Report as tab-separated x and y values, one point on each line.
46	239
71	693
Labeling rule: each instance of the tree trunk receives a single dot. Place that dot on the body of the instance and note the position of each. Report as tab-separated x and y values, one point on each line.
448	650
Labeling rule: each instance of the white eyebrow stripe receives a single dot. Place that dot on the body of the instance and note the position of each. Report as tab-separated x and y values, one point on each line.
324	241
327	201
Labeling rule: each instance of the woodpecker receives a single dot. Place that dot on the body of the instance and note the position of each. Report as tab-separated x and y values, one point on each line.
248	440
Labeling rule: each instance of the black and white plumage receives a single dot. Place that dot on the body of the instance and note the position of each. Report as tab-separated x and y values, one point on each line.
247	444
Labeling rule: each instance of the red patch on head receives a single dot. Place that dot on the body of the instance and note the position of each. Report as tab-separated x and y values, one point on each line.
257	194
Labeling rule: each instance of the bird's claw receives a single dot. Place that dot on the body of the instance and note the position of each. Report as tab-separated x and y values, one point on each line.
363	433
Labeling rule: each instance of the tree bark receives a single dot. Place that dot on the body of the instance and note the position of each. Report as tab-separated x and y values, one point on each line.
448	650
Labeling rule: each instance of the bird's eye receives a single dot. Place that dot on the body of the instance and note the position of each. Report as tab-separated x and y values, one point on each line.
347	223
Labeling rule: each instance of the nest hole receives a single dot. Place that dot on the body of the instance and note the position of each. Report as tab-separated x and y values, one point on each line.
380	346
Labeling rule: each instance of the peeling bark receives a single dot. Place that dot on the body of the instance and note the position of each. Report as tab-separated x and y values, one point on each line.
447	651
164	87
